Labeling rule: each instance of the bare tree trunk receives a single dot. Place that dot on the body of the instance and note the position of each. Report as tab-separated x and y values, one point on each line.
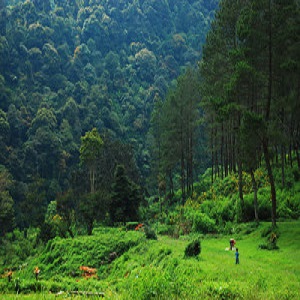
233	154
226	162
241	196
92	179
271	179
182	178
171	183
297	155
254	187
282	166
291	155
212	156
191	169
222	152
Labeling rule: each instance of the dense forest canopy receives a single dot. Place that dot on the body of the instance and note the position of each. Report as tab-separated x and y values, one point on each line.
70	66
111	111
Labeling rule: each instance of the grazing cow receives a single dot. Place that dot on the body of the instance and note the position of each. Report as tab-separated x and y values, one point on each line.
88	272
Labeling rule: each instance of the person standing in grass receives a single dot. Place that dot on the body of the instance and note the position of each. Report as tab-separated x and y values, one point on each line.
237	256
36	272
231	243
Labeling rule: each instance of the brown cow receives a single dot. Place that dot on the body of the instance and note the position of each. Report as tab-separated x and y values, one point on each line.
88	272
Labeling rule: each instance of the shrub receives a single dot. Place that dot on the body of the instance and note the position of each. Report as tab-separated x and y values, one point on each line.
226	209
264	204
272	235
268	246
221	290
150	233
193	248
165	229
289	206
270	230
249	207
203	223
131	225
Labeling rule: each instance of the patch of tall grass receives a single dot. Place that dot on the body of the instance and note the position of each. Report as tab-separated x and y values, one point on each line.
158	269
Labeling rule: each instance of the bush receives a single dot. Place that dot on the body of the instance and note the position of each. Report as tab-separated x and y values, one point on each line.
150	233
203	223
264	204
289	206
226	209
268	246
249	207
193	248
131	225
165	229
268	231
272	235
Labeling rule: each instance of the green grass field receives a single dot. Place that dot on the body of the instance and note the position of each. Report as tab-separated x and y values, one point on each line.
158	270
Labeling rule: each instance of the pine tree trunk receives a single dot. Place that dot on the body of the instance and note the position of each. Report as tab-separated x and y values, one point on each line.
222	153
212	156
241	196
267	115
171	183
191	158
92	180
182	177
282	166
297	155
254	187
89	227
271	179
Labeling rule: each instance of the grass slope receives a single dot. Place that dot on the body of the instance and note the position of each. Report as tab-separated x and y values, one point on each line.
149	269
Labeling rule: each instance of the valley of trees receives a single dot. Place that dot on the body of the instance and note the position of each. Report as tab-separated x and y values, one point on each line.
111	112
69	68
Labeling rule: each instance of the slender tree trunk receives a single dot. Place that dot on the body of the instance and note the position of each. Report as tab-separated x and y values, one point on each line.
182	178
217	164
92	180
277	155
282	166
297	155
291	155
191	159
254	187
182	161
222	152
271	178
234	154
241	196
71	233
89	227
171	183
226	163
267	115
212	156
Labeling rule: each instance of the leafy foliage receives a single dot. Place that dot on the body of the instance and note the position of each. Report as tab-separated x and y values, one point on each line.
71	66
7	218
193	248
126	197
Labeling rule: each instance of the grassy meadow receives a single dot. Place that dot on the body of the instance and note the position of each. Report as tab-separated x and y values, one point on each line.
157	269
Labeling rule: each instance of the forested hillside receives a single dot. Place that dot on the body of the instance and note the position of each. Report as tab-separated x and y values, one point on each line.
69	66
137	135
111	113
